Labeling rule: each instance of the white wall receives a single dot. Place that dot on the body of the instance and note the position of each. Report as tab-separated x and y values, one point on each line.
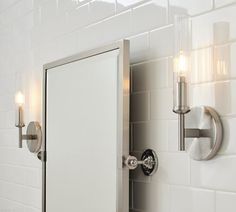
36	32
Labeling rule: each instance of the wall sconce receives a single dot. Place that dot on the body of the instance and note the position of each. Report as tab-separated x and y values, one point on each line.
200	128
33	134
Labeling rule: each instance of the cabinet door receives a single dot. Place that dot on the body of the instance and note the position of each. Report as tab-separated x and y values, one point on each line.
87	131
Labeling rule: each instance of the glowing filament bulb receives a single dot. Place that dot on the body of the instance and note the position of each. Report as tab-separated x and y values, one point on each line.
19	98
181	64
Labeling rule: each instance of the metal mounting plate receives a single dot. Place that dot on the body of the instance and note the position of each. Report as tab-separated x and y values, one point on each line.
206	118
149	153
34	145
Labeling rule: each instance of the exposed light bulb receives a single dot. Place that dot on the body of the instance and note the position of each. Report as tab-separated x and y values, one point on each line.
181	64
19	98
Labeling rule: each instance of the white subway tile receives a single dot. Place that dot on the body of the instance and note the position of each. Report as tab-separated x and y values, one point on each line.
33	177
202	69
232	61
45	11
225	201
124	4
190	7
11	156
162	104
213	94
150	135
105	32
65	5
174	168
5	4
140	107
32	197
58	48
161	42
149	16
78	18
228	144
8	137
220	3
170	72
12	191
29	209
185	199
16	11
144	194
14	174
9	205
139	47
150	75
218	173
216	27
222	64
99	10
173	136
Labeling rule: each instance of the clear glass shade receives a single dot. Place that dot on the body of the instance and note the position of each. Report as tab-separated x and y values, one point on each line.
181	62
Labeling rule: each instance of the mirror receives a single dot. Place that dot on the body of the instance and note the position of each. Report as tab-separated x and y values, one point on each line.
86	128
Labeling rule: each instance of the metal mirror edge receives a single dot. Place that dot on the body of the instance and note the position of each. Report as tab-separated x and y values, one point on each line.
123	121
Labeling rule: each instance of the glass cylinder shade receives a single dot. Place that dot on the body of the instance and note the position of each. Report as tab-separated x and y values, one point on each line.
181	63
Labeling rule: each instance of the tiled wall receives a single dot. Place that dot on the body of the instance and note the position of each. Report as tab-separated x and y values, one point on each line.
34	32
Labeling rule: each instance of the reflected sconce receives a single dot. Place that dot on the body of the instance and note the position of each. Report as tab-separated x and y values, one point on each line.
33	134
200	129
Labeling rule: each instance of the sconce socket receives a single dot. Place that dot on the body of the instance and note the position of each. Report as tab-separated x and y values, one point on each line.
20	117
181	97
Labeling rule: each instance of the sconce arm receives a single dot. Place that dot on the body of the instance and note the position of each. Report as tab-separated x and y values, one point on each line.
25	137
190	132
33	136
29	137
206	130
198	133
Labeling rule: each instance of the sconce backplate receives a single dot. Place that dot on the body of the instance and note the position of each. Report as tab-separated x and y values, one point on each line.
34	145
207	144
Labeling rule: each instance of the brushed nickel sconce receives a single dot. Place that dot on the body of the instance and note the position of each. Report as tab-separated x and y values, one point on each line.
33	134
148	162
200	128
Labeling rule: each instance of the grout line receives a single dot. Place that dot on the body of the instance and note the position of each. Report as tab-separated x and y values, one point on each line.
225	6
213	4
23	167
106	19
10	6
21	185
20	203
150	61
20	166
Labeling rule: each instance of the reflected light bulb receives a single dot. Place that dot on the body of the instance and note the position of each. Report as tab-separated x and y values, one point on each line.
181	64
19	98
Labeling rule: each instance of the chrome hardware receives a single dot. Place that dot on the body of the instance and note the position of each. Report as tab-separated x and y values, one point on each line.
181	108
33	136
149	162
42	156
201	133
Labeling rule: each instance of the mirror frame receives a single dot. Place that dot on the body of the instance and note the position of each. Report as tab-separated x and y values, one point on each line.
122	122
